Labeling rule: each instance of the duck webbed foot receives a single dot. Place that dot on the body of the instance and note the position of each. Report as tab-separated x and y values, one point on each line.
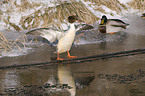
58	57
112	32
70	57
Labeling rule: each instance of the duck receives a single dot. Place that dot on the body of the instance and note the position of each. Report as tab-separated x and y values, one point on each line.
143	16
65	38
111	25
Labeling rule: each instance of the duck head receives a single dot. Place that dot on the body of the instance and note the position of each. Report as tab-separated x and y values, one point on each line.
103	19
73	19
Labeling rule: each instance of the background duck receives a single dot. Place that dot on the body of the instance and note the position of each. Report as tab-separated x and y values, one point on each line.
111	25
65	38
143	16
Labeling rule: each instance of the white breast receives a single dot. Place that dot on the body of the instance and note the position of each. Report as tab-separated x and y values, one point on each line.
65	42
65	77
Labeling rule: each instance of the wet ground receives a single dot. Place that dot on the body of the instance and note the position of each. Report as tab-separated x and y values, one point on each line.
123	76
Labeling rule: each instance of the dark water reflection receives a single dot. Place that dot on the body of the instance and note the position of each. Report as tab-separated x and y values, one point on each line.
119	76
55	80
123	76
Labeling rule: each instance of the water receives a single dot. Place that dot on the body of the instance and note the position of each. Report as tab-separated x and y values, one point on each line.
123	76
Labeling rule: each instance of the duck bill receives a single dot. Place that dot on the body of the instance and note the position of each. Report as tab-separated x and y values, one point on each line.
102	21
79	20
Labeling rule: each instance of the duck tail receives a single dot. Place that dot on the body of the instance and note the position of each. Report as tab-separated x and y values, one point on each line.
34	32
126	24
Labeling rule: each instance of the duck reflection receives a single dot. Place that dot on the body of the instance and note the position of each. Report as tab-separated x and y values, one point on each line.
66	81
143	16
65	76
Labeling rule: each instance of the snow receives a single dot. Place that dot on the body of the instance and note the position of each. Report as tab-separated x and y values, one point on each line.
18	2
98	13
3	7
64	26
15	52
2	25
109	11
132	11
90	8
15	18
124	1
28	12
48	3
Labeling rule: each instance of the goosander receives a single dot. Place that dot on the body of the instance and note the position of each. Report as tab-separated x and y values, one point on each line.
65	38
67	81
111	25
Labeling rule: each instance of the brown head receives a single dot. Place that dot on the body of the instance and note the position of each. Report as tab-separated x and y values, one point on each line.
72	19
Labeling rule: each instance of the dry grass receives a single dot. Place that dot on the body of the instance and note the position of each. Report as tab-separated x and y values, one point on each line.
6	45
54	16
22	39
137	4
112	4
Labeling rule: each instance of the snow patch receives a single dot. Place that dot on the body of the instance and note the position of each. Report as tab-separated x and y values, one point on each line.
4	7
124	1
98	13
2	25
28	12
64	26
18	2
109	11
15	18
15	52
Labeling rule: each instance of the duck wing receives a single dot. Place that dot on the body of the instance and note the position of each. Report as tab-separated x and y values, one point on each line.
82	27
82	82
49	33
117	23
123	26
143	14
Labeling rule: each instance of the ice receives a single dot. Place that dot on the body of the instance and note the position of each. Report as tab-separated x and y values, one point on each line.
15	52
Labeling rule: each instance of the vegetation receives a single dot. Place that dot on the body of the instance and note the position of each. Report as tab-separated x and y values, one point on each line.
112	4
137	4
54	16
7	46
57	15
